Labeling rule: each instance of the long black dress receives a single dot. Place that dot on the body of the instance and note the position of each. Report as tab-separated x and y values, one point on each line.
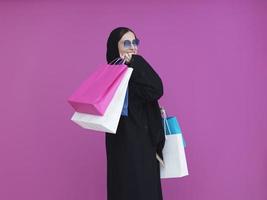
133	171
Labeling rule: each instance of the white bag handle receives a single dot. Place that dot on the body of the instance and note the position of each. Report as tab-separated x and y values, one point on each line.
165	123
116	60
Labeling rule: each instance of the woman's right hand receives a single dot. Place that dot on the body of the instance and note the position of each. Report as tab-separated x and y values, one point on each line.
127	57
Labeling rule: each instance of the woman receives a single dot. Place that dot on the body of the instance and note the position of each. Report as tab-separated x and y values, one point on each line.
133	171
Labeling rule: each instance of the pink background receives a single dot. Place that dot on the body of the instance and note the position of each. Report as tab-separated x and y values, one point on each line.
211	56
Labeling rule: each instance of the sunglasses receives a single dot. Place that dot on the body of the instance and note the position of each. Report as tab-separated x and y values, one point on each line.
128	44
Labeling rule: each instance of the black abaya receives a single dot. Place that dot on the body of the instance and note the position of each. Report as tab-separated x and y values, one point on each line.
133	171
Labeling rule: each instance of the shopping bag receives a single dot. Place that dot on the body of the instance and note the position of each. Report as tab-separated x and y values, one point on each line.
175	164
174	128
95	93
125	105
110	120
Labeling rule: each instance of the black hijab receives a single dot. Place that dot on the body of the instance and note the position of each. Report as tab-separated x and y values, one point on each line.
112	43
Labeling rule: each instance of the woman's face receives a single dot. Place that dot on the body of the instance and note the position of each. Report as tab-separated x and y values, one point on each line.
127	44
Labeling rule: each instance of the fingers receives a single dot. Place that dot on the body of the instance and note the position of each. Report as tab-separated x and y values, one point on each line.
122	56
128	57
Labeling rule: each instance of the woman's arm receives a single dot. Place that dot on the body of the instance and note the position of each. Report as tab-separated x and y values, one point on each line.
145	82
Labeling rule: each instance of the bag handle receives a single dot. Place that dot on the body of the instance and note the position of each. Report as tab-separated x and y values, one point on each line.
116	60
165	122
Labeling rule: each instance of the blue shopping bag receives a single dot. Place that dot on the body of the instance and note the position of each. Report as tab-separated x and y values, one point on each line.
171	126
125	105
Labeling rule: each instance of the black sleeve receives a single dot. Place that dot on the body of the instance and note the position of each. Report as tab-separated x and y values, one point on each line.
145	82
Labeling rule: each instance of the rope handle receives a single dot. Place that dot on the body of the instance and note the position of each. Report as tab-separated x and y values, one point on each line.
165	122
116	60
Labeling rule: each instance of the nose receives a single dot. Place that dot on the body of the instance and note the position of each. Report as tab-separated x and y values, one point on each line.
133	47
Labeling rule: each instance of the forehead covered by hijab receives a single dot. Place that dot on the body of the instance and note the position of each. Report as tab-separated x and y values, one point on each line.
112	43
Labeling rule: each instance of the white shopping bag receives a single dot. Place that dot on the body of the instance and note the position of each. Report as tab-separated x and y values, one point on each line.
175	164
110	120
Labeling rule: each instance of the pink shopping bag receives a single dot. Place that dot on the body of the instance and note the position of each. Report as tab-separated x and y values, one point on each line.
96	92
